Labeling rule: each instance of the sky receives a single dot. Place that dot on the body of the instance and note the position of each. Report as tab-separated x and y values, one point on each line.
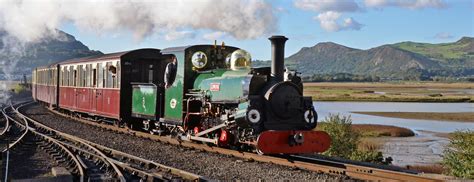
246	24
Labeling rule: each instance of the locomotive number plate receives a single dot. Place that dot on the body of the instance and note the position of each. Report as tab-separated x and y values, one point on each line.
215	86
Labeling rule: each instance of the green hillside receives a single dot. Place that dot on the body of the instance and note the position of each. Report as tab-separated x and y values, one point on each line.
462	49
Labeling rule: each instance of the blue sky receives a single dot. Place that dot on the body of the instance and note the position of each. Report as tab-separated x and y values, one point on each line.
372	23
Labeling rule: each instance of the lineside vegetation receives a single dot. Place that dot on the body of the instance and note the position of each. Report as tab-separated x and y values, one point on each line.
347	143
459	155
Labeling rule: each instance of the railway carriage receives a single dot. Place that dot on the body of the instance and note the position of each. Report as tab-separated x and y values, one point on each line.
214	96
45	85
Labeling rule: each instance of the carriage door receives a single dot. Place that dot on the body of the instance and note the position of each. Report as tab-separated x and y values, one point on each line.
99	89
94	88
76	90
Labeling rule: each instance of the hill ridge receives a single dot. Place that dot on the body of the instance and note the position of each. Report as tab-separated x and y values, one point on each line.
397	61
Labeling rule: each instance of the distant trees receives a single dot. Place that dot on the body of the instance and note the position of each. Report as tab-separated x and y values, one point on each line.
341	77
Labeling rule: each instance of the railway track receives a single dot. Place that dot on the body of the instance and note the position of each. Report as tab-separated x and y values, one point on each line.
13	132
348	168
93	162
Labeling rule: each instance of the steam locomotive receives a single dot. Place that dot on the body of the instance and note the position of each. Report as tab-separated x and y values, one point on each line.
202	93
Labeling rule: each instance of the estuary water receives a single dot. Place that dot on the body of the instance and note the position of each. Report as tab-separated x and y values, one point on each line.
346	108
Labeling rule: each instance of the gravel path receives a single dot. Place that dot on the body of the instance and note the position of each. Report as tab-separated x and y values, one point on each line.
211	165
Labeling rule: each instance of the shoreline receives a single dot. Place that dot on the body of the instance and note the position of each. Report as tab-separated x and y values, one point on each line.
450	117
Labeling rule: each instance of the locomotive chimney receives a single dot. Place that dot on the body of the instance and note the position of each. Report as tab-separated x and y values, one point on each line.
278	57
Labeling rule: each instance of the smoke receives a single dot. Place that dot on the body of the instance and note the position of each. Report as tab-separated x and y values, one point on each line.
31	20
11	50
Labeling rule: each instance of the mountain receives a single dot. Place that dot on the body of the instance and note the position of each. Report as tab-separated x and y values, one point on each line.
17	59
394	61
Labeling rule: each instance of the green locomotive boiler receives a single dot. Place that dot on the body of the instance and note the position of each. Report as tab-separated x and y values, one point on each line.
211	94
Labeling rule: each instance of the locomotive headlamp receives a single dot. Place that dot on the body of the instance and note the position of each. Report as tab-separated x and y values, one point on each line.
309	116
240	59
199	59
254	116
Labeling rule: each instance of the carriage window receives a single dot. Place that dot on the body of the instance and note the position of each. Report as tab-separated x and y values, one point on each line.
150	73
84	75
66	81
53	76
79	76
104	74
108	79
61	76
94	77
74	78
118	75
88	75
111	75
101	75
71	76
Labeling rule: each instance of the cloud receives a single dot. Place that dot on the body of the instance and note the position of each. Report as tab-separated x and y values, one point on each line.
214	35
329	22
330	11
409	4
327	5
175	35
443	35
30	20
350	23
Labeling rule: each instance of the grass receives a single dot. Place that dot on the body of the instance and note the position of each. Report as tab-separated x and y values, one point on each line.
373	130
460	117
390	92
368	144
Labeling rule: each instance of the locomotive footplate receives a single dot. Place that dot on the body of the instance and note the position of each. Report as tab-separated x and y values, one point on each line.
293	142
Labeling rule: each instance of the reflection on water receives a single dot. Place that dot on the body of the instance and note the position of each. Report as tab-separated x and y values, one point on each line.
346	108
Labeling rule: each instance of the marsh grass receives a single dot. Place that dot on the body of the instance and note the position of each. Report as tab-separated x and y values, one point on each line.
367	144
374	130
394	92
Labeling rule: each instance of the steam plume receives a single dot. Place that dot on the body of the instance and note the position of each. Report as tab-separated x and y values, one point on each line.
30	20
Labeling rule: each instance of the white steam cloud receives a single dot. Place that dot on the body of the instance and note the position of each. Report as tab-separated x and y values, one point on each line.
31	20
11	50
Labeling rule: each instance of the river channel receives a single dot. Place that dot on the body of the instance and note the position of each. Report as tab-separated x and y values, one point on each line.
347	108
425	148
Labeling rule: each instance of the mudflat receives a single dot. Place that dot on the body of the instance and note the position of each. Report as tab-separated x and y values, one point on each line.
459	117
391	91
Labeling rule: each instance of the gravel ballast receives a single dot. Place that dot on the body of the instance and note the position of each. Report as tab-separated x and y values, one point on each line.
211	165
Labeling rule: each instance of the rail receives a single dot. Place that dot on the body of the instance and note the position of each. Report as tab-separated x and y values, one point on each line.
50	140
118	160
